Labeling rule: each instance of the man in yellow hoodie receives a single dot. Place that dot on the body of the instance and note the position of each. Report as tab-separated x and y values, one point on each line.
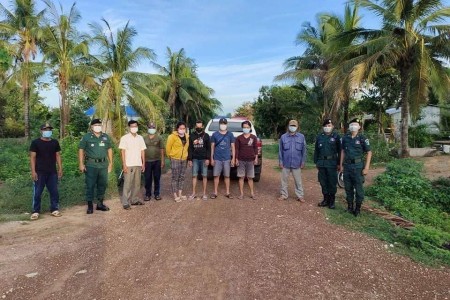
177	150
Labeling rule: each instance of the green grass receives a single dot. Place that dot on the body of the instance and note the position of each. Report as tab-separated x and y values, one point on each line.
383	230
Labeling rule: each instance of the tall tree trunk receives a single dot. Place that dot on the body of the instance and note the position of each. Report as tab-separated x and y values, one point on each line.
345	106
62	107
404	127
26	107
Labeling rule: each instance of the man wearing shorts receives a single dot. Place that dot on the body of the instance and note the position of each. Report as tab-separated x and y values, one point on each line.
246	157
222	156
198	157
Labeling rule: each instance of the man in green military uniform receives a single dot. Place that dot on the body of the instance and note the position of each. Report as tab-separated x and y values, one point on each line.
326	157
95	161
354	145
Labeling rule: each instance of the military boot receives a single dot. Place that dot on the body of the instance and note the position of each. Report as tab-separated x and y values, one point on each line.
331	201
90	208
325	201
101	206
350	207
357	209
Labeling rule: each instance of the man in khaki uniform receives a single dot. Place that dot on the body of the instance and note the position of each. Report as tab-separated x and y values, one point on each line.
132	147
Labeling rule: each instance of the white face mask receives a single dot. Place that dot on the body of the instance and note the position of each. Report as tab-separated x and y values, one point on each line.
292	128
97	128
354	127
246	130
223	127
134	129
181	132
151	130
327	129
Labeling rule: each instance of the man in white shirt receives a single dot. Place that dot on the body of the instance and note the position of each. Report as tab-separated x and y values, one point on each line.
132	147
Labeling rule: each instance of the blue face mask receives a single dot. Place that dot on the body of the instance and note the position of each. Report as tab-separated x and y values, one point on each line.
246	130
292	128
47	134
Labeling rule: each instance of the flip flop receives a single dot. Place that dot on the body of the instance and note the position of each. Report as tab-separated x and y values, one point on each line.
205	197
241	197
34	216
229	196
253	197
213	196
56	213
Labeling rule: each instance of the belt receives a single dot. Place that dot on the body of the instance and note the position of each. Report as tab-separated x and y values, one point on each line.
97	160
328	157
353	161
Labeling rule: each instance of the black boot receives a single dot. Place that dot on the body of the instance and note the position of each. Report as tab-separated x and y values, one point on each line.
101	206
325	201
90	208
332	200
350	207
357	209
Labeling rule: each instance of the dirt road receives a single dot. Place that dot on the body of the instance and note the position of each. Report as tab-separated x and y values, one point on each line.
214	249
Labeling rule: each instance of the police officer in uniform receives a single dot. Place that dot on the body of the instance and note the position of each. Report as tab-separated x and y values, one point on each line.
354	145
327	152
95	160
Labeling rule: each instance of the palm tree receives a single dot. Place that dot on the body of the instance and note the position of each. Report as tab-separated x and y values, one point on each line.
314	64
22	26
118	83
412	41
64	49
183	91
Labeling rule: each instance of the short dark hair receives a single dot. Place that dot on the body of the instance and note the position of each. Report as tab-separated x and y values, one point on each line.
198	122
179	124
132	122
246	122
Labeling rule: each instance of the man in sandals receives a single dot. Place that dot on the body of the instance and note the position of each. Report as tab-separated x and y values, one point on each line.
246	157
292	158
132	148
44	155
222	156
198	157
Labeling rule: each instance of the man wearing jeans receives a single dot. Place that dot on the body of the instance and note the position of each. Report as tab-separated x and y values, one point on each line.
132	147
222	156
44	155
198	157
154	162
292	158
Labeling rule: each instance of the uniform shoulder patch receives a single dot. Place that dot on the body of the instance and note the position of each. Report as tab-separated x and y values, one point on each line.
367	142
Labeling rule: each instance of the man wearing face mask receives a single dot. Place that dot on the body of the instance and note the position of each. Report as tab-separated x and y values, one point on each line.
198	157
354	145
154	162
95	161
132	148
292	158
327	151
222	156
44	156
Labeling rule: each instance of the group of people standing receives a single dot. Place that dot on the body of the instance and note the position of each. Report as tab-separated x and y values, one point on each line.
222	150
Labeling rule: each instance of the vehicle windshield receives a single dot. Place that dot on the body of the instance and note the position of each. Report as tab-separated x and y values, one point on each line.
232	126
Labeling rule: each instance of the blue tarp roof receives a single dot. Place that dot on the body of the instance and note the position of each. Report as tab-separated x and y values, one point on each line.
130	112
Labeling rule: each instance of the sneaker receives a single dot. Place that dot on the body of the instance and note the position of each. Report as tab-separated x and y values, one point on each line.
147	198
127	207
158	197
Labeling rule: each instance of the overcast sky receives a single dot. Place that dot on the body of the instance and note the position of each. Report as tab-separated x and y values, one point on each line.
238	45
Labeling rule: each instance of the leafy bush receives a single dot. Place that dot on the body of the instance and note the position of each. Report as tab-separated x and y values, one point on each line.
405	191
418	137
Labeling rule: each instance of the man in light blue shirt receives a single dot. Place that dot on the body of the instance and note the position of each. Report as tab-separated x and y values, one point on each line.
292	158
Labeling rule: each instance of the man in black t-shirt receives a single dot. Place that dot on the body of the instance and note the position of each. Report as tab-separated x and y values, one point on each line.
44	155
